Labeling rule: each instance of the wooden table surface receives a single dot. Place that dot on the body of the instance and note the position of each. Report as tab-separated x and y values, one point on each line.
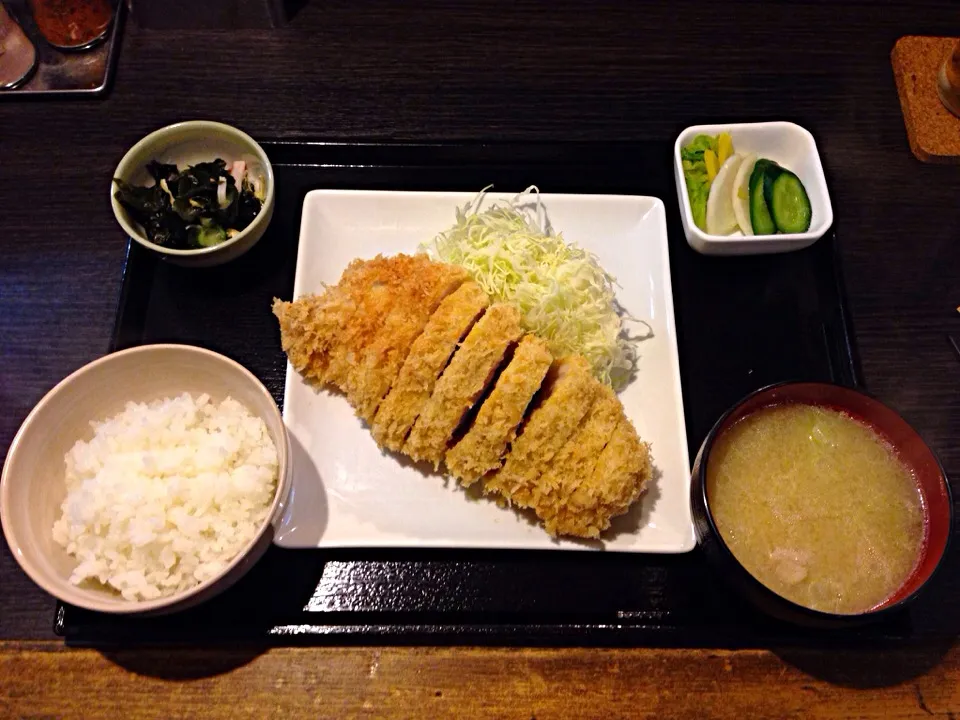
508	71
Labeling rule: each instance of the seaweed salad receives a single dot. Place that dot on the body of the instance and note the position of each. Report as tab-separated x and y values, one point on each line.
198	207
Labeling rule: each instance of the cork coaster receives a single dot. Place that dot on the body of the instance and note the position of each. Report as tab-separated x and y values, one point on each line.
933	131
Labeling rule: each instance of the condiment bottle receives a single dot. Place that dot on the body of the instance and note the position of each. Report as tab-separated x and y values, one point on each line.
18	56
72	24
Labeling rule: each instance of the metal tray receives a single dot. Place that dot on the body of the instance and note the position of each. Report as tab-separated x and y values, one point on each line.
67	73
742	322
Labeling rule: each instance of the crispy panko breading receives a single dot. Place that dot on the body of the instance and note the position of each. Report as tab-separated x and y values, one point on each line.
427	358
577	458
393	284
575	462
569	391
463	382
485	443
374	368
585	505
327	334
548	436
309	326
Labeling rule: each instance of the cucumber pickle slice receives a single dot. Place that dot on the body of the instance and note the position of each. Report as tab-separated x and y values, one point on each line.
788	203
760	218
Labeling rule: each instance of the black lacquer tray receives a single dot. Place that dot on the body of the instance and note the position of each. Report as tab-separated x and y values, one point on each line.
742	322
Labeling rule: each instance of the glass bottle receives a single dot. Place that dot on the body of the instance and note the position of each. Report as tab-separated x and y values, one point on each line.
18	56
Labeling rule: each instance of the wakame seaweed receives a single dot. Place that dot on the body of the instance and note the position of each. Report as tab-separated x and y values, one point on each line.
187	209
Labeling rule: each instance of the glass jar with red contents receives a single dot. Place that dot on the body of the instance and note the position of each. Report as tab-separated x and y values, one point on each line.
72	24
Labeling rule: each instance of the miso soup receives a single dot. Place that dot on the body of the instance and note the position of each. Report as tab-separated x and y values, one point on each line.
816	506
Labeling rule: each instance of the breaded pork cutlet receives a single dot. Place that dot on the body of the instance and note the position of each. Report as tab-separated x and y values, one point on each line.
568	393
573	466
374	368
392	284
485	443
385	334
620	476
310	326
461	384
427	358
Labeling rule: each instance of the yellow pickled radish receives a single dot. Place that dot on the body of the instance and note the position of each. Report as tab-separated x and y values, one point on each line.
724	148
710	160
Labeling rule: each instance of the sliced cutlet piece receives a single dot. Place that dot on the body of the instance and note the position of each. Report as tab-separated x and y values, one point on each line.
485	443
386	279
463	382
310	326
427	358
620	476
568	393
302	332
575	462
376	366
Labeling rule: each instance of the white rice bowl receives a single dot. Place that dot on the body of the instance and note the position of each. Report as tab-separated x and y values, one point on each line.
166	495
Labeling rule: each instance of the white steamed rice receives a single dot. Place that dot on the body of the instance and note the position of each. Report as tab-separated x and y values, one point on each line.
166	494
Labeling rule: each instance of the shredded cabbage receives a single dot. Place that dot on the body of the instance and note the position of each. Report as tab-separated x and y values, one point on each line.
562	292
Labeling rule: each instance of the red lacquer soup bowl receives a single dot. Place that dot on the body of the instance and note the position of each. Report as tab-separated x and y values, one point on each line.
910	448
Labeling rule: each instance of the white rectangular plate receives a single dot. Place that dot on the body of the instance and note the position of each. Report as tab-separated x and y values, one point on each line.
346	493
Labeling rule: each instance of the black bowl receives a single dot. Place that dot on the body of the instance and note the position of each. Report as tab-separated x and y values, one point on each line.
909	446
